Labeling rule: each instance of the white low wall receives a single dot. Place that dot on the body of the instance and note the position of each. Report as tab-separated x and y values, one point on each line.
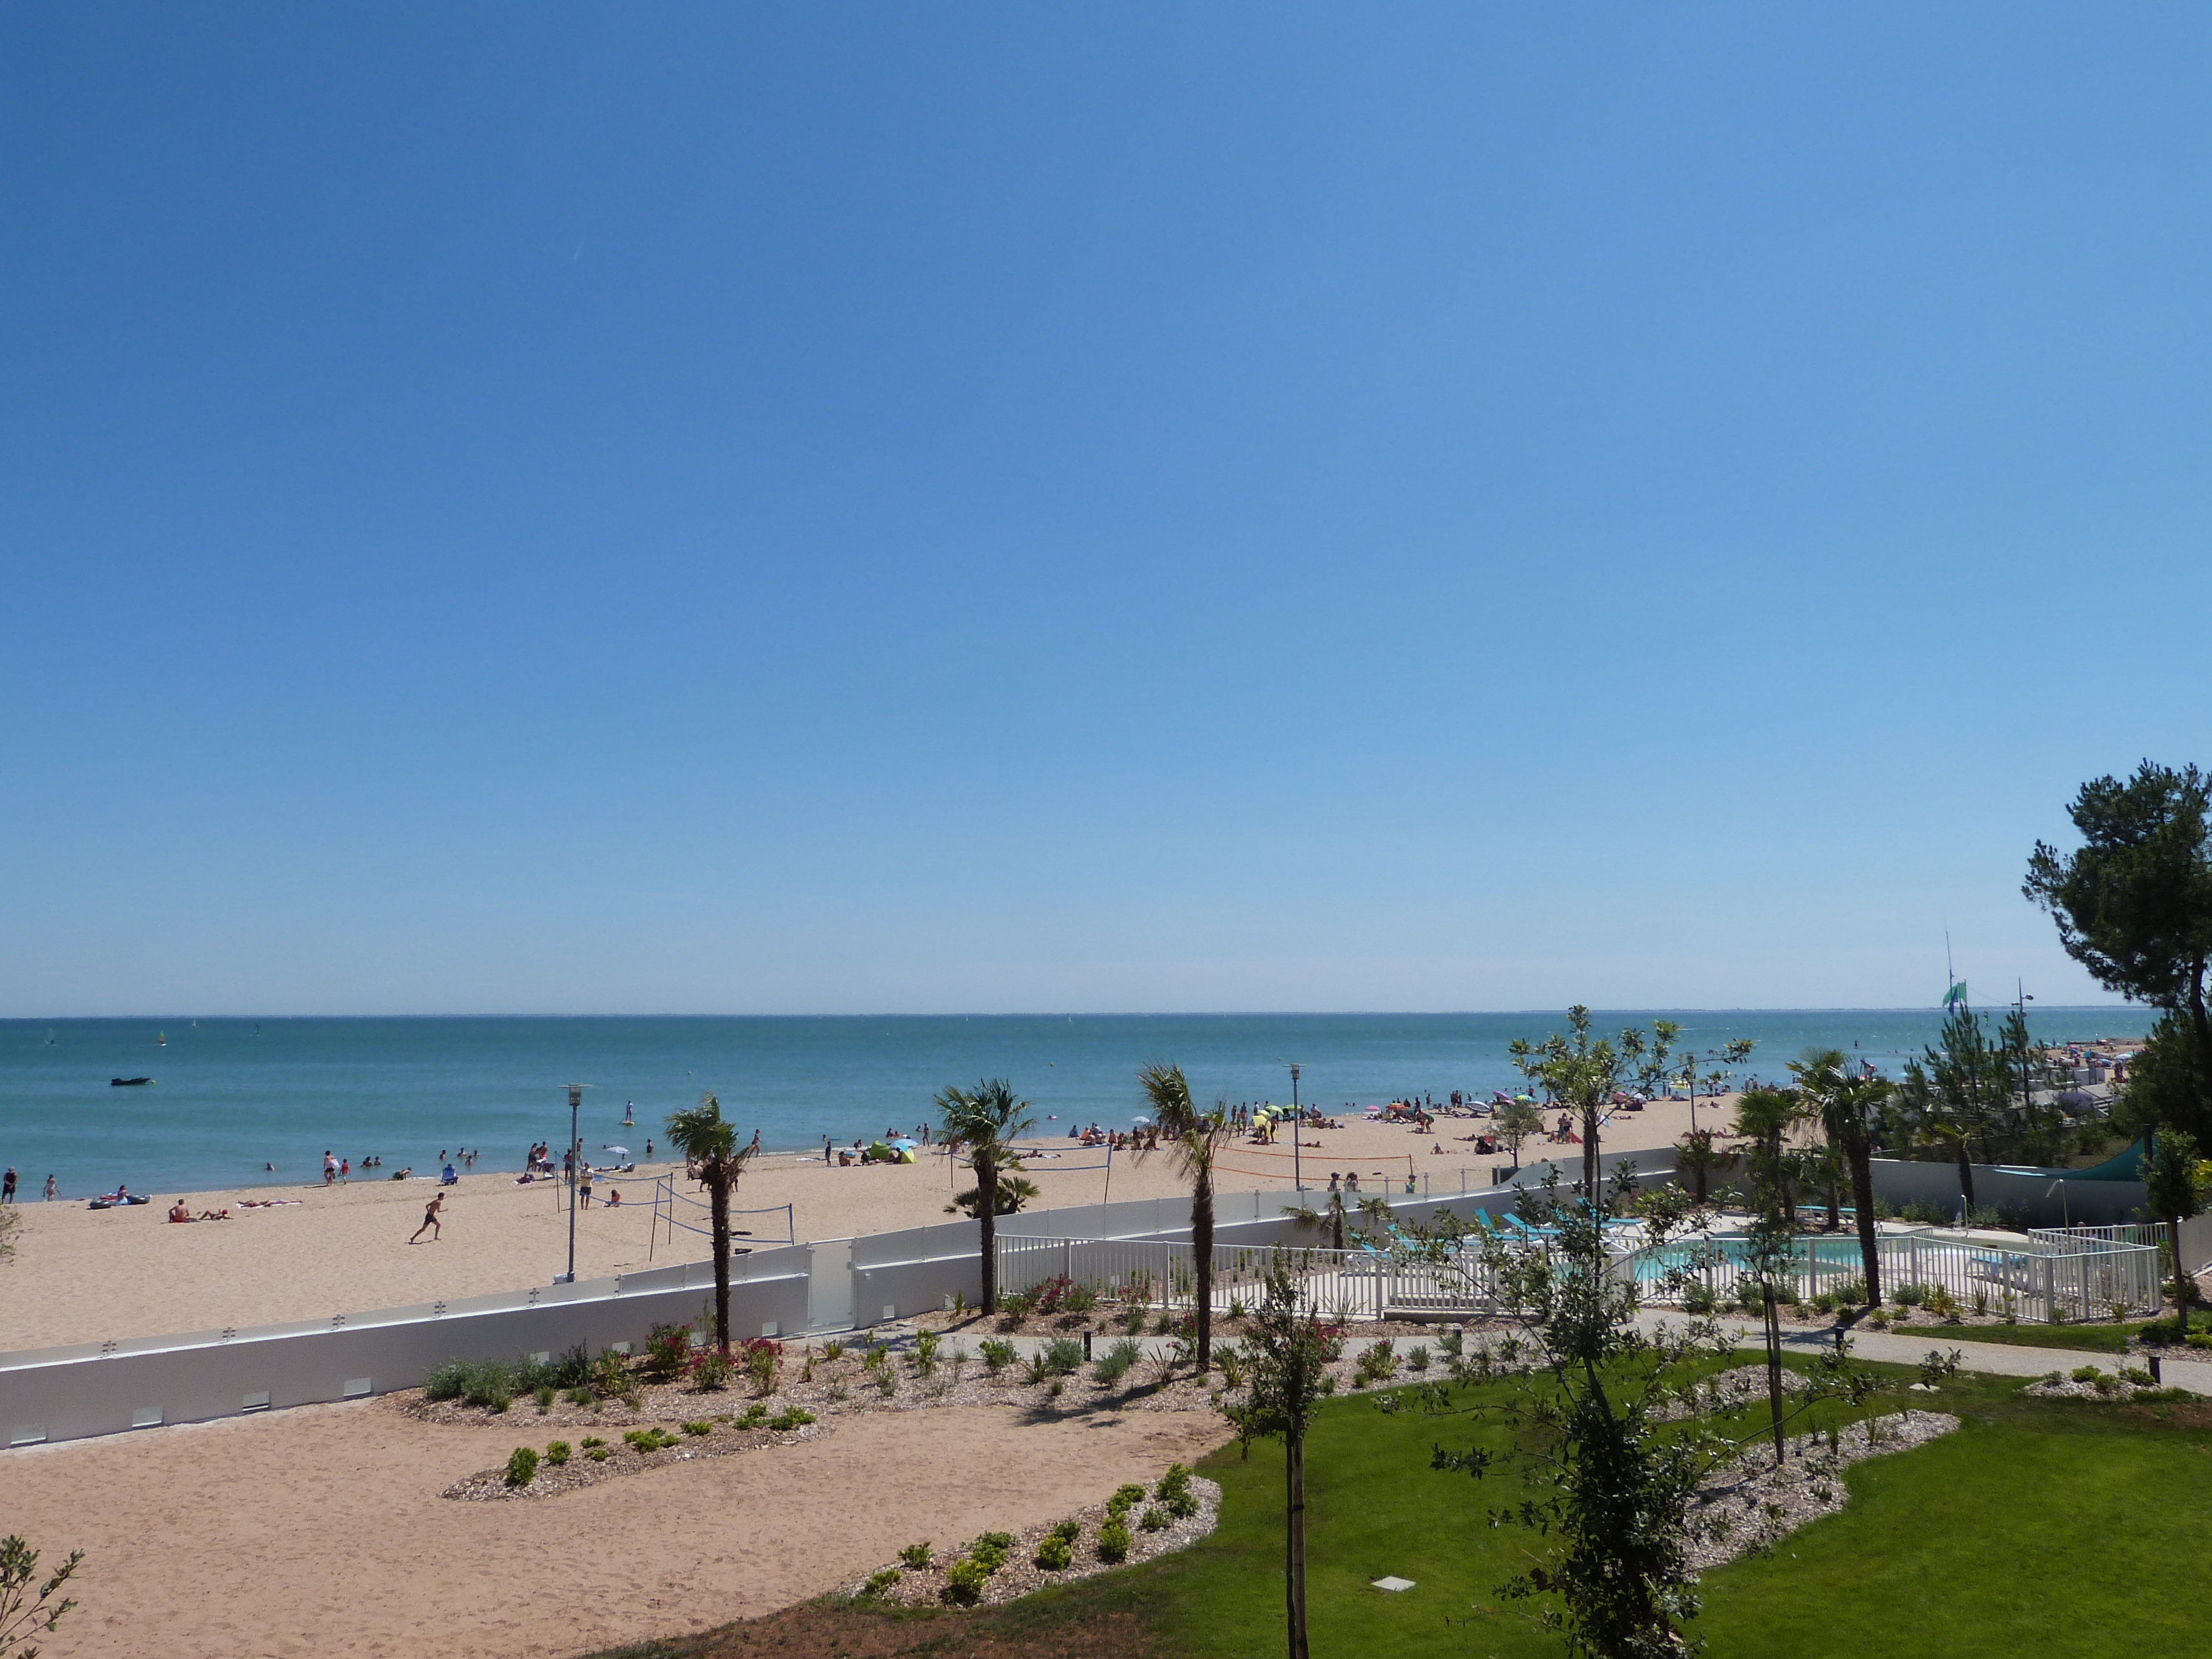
94	1388
68	1394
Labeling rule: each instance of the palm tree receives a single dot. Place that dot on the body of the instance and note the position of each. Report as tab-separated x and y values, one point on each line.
1764	1117
1846	1106
986	1121
1329	1218
1703	1156
1193	1138
712	1157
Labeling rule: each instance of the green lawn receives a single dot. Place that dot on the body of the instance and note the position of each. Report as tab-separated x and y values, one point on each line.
2041	1526
2068	1527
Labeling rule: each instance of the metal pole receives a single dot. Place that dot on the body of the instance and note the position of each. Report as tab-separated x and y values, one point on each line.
1297	1170
575	1157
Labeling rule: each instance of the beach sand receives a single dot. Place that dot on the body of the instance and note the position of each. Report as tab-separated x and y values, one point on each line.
84	1275
320	1530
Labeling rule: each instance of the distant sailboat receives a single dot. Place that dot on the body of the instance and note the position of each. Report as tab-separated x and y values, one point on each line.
161	1039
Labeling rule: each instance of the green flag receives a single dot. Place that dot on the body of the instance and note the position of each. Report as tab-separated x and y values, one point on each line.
1955	995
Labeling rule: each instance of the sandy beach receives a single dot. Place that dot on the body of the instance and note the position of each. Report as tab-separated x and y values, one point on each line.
321	1530
84	1275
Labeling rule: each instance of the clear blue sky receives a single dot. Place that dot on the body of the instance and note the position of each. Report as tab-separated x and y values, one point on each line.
885	508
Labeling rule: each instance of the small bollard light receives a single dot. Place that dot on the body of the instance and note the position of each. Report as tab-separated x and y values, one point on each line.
1086	1349
2155	1373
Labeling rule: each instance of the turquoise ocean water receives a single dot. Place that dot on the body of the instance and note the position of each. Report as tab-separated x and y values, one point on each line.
233	1095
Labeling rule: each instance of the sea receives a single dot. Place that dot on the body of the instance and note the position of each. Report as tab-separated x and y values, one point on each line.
258	1102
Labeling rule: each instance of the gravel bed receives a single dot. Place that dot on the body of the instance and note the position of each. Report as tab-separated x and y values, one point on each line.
1727	1391
2059	1386
1751	1503
490	1486
918	1587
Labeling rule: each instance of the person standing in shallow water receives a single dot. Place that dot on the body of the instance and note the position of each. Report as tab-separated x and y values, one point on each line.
8	1186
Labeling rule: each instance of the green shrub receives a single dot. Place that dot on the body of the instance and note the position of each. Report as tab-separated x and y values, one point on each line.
1453	1343
709	1370
698	1428
755	1414
592	1440
915	1555
790	1418
1062	1356
1379	1364
879	1581
1153	1520
1417	1358
1174	1491
1698	1298
545	1398
964	1582
580	1396
556	1453
925	1352
1080	1298
1126	1497
1909	1296
763	1360
648	1441
1068	1531
668	1350
1851	1293
522	1466
1114	1364
597	1453
998	1354
2087	1373
445	1381
833	1350
1055	1553
1132	1319
992	1550
1231	1358
1114	1542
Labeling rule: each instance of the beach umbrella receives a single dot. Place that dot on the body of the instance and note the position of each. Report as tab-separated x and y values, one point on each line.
904	1143
619	1151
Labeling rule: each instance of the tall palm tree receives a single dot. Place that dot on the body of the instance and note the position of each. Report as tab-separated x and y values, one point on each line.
1846	1103
1193	1138
1764	1117
1703	1156
986	1121
712	1157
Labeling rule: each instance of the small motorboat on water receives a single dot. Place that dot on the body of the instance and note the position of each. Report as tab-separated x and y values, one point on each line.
128	1082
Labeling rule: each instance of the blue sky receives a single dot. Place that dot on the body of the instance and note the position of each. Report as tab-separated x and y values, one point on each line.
818	509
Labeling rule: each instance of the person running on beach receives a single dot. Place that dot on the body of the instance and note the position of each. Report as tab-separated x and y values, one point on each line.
430	1220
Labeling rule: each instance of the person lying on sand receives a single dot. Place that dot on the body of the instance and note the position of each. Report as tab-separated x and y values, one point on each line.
214	1215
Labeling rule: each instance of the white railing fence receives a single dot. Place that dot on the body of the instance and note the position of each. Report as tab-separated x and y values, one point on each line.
2092	1279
